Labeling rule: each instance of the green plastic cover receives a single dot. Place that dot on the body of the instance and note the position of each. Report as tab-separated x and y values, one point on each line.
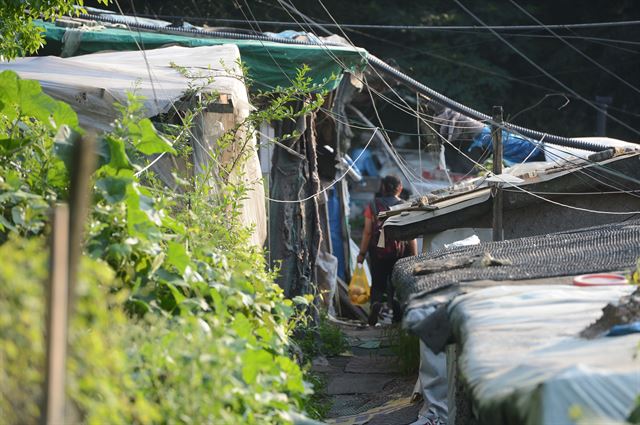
270	64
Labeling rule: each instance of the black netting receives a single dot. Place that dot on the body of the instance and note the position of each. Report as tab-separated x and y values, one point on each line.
590	250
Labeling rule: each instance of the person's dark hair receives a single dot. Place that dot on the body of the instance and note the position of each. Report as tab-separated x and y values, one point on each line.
390	185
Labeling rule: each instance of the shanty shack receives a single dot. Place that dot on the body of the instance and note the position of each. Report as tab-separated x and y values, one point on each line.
98	58
516	334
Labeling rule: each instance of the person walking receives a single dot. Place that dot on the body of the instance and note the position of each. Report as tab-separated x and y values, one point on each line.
383	258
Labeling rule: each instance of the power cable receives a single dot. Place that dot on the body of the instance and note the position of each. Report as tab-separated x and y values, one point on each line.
539	68
369	88
336	181
409	27
504	181
374	62
603	68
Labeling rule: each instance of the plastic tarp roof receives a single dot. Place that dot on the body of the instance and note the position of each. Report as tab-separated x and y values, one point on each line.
92	83
525	364
270	64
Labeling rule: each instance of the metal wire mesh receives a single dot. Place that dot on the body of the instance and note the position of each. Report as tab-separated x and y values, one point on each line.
590	250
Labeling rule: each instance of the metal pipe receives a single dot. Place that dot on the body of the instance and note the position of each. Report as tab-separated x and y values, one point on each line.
375	63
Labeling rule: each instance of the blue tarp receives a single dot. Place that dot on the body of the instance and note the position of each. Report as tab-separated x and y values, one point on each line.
516	149
335	227
364	162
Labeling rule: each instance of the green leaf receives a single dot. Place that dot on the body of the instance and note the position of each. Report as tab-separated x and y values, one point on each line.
114	188
63	144
27	95
119	250
11	145
300	300
255	362
293	374
57	175
118	159
243	326
18	215
147	140
177	295
5	224
157	262
177	256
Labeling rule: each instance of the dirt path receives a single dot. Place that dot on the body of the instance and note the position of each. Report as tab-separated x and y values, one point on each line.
366	386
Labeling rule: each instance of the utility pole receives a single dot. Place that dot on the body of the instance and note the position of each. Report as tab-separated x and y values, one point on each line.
496	137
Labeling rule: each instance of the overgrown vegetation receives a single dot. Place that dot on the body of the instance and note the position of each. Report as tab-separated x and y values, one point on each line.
407	347
322	338
178	319
318	340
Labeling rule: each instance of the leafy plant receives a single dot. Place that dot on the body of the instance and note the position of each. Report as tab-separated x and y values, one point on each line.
407	347
98	385
208	338
322	338
19	36
31	175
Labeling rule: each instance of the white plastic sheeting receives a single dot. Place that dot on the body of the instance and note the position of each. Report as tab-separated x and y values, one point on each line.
91	84
525	364
327	272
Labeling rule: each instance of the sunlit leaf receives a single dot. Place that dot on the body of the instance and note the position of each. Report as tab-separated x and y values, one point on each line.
147	139
177	256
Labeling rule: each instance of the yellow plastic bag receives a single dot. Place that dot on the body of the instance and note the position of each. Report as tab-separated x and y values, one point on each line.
359	291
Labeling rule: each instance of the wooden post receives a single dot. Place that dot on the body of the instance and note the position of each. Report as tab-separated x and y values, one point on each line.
53	411
496	136
84	160
66	251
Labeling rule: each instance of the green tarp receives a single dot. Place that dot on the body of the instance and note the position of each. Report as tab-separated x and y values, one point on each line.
270	64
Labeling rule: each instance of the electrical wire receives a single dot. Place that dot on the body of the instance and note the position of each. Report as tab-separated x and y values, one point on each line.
376	63
518	188
417	115
369	88
603	68
142	50
336	181
437	133
539	68
548	146
409	27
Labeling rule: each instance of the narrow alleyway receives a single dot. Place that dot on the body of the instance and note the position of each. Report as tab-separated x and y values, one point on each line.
367	385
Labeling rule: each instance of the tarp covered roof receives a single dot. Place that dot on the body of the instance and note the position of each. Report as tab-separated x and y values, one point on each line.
525	364
270	64
92	83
